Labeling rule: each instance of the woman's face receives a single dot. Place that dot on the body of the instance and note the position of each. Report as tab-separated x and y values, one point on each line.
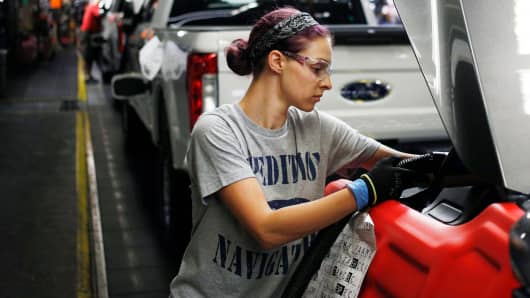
306	75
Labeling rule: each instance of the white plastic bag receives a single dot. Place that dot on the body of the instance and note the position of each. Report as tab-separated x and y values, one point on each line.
151	56
174	61
343	270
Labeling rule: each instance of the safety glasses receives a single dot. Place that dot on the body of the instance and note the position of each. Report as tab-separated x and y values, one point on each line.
321	68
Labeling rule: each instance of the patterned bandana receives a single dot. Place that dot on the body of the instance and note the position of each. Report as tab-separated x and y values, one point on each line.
281	31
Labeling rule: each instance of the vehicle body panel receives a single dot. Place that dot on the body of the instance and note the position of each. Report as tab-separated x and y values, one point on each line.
495	94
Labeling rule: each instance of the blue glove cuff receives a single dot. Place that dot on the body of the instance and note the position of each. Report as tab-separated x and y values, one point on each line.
360	191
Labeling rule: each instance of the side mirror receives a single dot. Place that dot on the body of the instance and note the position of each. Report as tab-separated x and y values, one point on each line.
520	253
126	85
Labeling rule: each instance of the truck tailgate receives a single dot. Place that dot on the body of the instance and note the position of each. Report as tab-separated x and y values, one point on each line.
406	112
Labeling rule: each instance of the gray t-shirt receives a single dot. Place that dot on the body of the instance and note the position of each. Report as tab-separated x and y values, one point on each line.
291	163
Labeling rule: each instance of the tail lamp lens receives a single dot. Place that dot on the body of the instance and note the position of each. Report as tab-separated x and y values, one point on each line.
201	84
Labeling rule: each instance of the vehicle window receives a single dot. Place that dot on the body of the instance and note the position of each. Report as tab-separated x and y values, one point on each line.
379	21
188	6
328	12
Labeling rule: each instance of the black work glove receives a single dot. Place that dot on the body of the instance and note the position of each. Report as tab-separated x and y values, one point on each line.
386	180
429	163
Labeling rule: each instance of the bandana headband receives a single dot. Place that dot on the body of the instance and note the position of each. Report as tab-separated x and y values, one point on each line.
281	31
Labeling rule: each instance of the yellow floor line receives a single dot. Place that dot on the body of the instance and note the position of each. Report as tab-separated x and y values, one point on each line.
84	287
83	248
81	87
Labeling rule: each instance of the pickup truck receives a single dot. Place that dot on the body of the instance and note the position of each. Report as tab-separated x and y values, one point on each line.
378	86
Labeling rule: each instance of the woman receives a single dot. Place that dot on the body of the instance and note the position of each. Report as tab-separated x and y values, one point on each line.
258	167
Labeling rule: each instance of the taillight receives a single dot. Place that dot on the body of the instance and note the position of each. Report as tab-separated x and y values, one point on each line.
201	84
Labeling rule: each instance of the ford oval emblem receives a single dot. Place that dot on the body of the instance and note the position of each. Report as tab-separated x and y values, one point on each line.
365	90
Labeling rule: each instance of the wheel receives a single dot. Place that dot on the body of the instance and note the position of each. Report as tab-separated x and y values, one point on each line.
174	196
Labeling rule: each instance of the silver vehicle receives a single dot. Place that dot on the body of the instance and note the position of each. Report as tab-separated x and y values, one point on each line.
378	87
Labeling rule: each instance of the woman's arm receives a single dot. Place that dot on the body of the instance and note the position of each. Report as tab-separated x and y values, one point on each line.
246	201
382	152
271	228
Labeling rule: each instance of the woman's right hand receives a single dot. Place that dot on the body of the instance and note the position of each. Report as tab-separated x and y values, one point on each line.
387	181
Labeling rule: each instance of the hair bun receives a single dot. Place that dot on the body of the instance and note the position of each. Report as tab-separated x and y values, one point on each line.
237	57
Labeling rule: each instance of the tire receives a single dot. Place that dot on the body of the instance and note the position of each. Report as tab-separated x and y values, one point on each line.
173	196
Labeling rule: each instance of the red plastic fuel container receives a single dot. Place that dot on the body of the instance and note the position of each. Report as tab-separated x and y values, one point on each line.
418	256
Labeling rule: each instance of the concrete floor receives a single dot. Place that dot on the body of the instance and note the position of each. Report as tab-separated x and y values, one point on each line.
39	215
